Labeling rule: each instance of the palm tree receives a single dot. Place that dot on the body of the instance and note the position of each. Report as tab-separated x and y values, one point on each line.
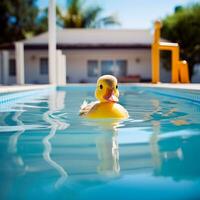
77	16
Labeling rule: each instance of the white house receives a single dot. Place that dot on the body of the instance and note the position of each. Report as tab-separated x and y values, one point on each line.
89	54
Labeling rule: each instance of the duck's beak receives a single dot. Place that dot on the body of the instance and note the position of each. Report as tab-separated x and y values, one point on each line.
110	96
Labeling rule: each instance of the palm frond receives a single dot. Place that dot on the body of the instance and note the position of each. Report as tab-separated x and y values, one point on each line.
90	15
107	21
77	16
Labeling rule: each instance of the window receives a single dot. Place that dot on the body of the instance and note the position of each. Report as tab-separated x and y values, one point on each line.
44	66
116	68
12	67
93	70
112	67
121	66
107	67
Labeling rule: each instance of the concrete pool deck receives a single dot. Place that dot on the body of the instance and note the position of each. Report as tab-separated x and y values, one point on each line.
18	88
191	86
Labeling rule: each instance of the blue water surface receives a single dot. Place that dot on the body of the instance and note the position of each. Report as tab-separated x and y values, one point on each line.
48	152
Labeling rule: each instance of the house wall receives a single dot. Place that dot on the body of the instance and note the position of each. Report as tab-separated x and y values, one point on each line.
1	69
31	64
76	64
11	79
32	67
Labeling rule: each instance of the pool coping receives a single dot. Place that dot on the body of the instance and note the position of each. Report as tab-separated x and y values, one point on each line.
191	86
23	88
20	88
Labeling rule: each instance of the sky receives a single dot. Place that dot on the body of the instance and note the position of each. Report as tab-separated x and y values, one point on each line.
137	14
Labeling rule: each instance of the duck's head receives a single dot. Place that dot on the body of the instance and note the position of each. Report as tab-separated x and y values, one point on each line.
107	89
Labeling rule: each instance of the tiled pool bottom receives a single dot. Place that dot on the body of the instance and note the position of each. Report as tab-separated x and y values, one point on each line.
48	152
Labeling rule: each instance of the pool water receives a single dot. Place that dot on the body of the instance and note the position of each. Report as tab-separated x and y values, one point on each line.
48	152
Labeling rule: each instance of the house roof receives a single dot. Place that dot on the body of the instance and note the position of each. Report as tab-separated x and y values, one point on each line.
94	38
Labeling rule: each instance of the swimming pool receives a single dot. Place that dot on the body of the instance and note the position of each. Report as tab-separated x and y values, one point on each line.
48	152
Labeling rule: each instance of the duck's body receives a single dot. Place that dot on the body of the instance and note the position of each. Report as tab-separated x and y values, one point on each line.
104	110
107	93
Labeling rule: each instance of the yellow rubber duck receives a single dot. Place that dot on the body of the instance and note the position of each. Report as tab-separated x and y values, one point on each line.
107	94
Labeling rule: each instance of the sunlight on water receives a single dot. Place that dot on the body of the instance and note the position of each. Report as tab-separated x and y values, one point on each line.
48	152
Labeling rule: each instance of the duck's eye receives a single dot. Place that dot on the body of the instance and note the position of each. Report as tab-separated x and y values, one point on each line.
101	86
116	86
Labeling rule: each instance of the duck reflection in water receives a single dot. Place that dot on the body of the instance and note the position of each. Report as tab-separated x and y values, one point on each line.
107	146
